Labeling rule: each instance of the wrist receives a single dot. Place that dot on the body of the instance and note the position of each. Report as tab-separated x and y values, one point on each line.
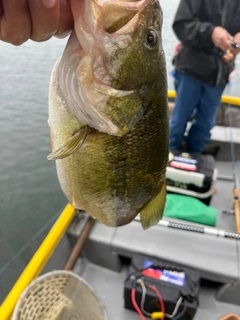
206	31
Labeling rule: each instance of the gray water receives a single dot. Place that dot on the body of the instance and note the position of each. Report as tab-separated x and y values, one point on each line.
29	191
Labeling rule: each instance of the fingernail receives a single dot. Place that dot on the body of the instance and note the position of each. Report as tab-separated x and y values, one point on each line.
48	3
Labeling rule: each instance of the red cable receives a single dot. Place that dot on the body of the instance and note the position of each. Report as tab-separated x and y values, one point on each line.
135	304
159	298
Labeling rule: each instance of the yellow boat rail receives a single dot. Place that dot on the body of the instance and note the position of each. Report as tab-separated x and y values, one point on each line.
38	261
235	101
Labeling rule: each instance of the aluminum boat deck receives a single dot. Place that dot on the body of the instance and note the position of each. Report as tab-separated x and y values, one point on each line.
104	260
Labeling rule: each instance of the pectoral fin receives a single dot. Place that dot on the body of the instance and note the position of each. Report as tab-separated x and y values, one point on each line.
73	144
152	212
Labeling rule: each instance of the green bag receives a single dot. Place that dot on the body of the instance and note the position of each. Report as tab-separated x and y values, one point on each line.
190	209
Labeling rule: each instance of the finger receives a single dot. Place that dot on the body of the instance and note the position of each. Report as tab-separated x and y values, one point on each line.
225	40
236	37
225	47
226	44
45	18
66	19
235	51
15	22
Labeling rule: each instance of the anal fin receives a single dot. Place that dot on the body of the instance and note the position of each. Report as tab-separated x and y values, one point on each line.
152	212
71	145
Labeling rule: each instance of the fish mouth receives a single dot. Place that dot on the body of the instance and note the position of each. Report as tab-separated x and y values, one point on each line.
110	17
120	17
115	20
91	89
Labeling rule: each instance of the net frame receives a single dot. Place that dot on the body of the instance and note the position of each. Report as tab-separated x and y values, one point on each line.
59	295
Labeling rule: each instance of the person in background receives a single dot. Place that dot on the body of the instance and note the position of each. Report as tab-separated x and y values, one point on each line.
206	29
38	20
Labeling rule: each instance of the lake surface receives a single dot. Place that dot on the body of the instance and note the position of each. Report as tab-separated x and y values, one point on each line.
30	195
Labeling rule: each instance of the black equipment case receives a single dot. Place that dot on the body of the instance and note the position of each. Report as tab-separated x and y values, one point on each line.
175	282
193	176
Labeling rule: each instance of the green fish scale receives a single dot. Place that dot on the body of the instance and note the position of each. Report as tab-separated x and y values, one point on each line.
116	170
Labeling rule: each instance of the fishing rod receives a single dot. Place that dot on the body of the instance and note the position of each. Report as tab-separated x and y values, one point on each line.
235	45
219	233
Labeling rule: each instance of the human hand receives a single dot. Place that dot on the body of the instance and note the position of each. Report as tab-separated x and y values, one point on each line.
37	20
236	38
221	38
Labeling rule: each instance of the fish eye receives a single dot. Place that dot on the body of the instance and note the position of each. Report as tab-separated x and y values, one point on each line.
151	38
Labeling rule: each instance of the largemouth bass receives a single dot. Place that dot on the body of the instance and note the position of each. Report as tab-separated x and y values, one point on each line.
108	113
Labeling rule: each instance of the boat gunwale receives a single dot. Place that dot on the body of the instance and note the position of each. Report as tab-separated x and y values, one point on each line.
38	261
233	101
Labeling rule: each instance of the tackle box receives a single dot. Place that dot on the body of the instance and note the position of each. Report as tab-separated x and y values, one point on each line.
192	176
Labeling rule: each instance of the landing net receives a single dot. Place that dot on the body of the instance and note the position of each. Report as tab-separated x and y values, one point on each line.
59	295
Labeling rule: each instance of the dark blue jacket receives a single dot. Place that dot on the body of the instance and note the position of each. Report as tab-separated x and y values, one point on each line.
193	24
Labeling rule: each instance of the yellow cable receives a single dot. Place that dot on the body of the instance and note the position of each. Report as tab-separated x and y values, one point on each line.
38	261
157	315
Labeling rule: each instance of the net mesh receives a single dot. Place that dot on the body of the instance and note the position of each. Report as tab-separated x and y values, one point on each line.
60	297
